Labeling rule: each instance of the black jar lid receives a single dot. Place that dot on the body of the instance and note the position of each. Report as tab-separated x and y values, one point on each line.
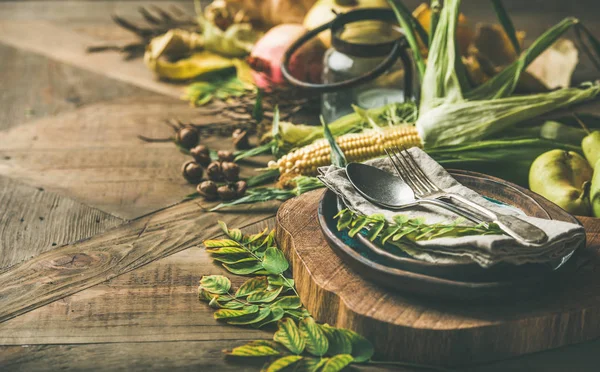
366	49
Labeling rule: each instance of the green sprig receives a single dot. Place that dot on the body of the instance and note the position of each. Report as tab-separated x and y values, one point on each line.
377	228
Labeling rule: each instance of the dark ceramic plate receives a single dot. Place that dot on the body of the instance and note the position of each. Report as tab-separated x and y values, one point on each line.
450	280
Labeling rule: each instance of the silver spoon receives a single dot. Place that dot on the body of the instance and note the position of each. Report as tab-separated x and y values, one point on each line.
389	191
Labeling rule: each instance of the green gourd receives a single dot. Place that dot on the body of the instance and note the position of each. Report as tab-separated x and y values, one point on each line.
563	177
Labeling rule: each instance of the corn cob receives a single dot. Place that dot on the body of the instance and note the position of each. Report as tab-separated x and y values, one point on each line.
356	147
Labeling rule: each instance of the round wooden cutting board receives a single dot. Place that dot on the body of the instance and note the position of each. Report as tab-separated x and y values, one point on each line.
432	330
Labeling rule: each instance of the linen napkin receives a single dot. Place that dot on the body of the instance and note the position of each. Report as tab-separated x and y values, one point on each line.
486	250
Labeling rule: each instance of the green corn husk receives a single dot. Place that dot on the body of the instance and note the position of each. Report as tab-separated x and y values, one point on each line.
468	121
509	158
442	81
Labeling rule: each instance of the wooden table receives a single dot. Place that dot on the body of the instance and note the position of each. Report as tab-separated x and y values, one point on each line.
99	259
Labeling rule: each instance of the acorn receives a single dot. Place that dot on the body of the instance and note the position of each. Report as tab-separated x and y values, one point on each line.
214	171
231	171
225	156
208	189
187	137
240	188
192	171
240	139
201	154
226	193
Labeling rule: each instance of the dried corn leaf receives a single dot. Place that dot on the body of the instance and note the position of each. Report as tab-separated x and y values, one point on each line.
554	67
492	44
198	64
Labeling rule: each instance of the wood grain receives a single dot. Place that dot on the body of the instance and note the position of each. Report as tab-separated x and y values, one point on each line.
67	270
63	45
93	155
33	220
35	86
429	330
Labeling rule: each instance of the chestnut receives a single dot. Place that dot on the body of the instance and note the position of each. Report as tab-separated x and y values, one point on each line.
192	171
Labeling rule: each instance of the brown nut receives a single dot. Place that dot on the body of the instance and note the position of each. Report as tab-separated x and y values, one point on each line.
214	171
201	155
240	188
226	193
187	137
200	149
225	156
231	171
240	139
192	172
208	189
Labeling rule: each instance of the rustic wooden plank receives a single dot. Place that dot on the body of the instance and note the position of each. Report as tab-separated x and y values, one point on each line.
60	43
93	155
69	269
155	356
34	86
33	220
429	330
156	302
207	356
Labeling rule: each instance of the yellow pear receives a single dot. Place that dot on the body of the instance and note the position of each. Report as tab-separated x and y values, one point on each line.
591	147
563	177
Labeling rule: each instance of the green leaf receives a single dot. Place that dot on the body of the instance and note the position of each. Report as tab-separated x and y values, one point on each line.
204	295
358	225
264	296
234	259
337	156
274	261
280	281
289	336
339	342
234	234
405	19
308	364
282	363
345	219
252	285
253	351
298	314
251	318
244	268
316	341
507	24
226	250
254	237
269	343
362	349
337	363
229	314
275	315
288	302
216	284
232	305
221	243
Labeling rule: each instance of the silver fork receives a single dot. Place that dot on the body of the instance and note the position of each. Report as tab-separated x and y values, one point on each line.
409	170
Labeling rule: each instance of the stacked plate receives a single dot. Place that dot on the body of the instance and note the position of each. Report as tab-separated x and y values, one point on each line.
457	281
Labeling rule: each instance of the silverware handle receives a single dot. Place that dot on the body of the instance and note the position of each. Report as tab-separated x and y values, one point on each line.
513	226
452	208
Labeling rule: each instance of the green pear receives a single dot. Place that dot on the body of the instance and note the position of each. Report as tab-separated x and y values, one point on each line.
595	192
563	177
591	147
